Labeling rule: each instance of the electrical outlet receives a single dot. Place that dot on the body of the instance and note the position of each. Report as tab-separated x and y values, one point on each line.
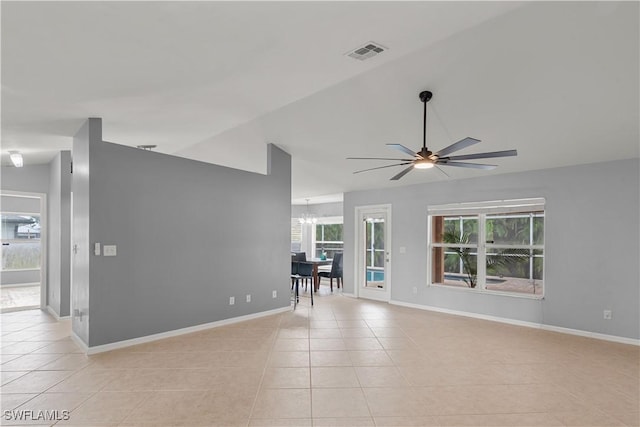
607	314
415	290
274	294
248	297
232	300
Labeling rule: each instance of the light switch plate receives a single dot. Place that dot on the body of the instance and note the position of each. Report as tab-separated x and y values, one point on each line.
96	249
109	250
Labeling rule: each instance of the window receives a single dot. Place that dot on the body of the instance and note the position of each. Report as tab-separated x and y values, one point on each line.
328	239
375	252
296	235
489	247
20	241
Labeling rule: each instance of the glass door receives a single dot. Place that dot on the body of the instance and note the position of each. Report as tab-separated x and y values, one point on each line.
21	261
374	254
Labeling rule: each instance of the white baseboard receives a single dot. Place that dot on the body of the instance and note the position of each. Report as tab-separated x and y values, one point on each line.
76	339
578	332
183	331
55	315
596	335
348	295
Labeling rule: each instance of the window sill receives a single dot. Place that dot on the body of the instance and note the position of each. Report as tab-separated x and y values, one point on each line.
487	292
373	289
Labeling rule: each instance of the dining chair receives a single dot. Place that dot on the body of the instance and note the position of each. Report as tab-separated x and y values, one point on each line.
305	272
300	271
301	257
294	271
335	273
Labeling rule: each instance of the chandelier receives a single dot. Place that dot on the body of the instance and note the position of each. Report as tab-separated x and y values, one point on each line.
306	217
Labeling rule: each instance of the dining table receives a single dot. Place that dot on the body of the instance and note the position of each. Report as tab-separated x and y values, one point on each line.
316	263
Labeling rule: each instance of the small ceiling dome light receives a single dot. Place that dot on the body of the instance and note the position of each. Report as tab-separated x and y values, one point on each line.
16	159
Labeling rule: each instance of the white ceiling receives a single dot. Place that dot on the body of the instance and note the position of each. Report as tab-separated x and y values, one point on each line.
216	81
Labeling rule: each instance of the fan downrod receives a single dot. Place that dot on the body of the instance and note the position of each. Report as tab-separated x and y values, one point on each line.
425	96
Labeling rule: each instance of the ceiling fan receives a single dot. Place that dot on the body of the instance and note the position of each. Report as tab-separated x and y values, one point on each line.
425	159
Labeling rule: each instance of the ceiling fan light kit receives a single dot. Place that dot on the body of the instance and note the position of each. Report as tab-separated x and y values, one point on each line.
423	164
425	159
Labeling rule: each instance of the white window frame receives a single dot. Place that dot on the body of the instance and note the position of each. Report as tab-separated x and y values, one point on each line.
372	257
480	210
295	222
44	241
326	220
18	241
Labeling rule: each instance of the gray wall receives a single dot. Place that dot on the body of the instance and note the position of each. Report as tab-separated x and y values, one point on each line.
319	210
591	245
189	235
59	204
31	179
19	277
20	204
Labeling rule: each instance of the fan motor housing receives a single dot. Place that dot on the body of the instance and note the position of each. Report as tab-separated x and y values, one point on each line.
425	96
424	153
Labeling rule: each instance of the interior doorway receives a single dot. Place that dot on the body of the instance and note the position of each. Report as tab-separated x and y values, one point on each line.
373	266
23	234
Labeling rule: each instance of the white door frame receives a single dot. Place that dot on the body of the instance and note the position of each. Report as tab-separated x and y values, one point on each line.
359	264
71	254
44	231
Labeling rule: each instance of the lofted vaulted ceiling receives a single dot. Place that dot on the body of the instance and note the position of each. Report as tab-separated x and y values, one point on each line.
216	81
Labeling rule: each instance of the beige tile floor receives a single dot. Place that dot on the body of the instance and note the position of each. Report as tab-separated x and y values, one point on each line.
344	362
14	298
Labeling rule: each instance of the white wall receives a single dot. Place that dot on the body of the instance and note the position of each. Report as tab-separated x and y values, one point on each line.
591	245
59	200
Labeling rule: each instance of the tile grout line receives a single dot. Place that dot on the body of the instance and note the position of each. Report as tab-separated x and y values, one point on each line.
412	355
264	369
366	401
310	376
53	385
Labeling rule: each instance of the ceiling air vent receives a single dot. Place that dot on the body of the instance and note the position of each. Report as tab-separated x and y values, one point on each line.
366	51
